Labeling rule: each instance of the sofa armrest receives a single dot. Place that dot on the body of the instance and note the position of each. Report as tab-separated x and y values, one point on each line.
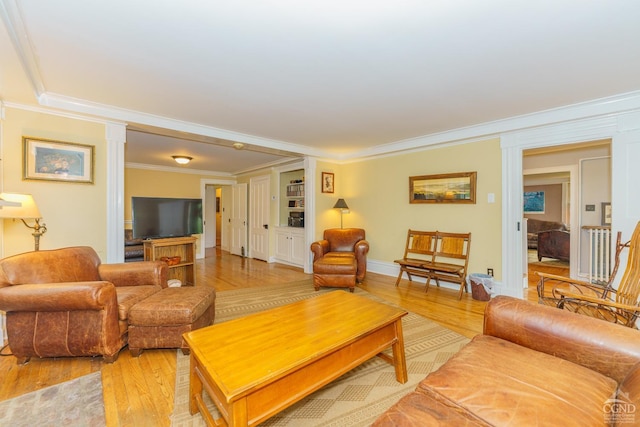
319	248
360	250
596	344
135	273
58	296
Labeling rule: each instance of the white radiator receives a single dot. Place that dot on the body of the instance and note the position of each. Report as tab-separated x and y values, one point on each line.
599	255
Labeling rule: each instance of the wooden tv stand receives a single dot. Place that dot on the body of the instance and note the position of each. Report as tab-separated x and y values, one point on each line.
184	247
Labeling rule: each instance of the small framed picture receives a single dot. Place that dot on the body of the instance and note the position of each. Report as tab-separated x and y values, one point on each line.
57	161
327	182
606	213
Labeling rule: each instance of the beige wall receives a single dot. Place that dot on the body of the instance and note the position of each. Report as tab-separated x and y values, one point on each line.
156	183
377	192
326	216
75	214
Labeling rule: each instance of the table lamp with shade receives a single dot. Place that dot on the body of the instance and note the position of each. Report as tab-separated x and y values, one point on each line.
23	207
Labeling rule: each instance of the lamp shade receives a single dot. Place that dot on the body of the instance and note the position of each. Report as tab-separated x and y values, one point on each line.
341	204
26	210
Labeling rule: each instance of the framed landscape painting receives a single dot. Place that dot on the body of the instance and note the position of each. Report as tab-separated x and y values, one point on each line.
57	161
443	188
534	202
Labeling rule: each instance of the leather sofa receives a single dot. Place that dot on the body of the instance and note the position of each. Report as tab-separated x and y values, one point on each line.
65	302
340	258
535	226
533	365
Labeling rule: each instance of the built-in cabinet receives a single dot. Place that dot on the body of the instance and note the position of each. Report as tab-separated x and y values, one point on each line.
290	245
292	192
183	247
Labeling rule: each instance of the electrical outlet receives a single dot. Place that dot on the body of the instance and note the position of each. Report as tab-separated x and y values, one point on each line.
490	271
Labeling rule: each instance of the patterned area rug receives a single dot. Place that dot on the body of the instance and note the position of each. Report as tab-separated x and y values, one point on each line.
77	402
355	399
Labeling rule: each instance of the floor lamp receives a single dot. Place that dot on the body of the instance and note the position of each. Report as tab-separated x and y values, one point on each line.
342	205
23	207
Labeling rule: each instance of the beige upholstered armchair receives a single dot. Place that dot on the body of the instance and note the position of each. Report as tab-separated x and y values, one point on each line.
64	302
344	241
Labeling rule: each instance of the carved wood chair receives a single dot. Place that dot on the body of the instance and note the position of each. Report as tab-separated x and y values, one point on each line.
604	302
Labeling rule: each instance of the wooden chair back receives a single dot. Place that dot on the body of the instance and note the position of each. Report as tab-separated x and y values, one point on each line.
420	244
628	290
453	245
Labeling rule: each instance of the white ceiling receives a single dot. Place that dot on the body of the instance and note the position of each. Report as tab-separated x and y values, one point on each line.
335	79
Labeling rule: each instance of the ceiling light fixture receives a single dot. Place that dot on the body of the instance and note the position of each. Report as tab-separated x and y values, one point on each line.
238	145
182	160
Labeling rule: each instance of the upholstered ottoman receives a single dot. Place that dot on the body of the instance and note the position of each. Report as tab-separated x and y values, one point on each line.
335	271
160	320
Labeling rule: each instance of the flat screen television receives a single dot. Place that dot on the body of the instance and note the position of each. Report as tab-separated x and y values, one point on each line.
157	217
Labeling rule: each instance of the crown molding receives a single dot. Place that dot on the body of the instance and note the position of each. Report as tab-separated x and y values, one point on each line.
86	107
602	107
61	113
10	14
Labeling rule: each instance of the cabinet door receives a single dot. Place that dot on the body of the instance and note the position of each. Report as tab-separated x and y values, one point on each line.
283	246
298	249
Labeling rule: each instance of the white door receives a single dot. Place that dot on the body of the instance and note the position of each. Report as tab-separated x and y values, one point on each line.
239	219
259	217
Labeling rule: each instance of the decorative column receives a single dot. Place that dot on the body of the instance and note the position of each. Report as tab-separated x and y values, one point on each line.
116	135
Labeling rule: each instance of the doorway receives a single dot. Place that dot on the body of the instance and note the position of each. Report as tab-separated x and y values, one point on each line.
216	203
213	217
558	177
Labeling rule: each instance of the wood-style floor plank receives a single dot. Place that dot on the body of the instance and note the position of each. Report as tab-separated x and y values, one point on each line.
139	391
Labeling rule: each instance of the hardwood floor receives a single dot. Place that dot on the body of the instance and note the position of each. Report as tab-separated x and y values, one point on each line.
138	391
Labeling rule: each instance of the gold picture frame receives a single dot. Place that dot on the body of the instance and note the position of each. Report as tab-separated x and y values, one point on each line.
49	160
443	188
327	182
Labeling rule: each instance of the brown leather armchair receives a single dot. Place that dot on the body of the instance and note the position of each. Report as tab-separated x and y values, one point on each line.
339	242
64	302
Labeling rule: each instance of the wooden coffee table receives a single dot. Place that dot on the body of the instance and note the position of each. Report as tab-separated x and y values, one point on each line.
256	366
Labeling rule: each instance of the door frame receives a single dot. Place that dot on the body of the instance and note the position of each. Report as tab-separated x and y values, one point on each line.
574	203
200	253
623	129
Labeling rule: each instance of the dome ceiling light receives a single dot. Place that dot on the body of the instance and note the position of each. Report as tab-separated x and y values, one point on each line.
182	160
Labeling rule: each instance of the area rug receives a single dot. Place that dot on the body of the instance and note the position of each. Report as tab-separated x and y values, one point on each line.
76	403
355	399
532	259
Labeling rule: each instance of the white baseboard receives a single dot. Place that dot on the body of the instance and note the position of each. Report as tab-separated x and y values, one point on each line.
392	270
